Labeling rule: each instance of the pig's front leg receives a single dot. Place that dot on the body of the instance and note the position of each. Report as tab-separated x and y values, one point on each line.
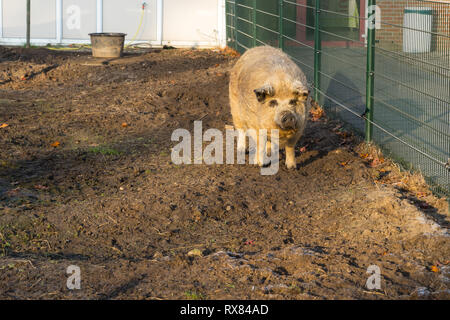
290	157
268	148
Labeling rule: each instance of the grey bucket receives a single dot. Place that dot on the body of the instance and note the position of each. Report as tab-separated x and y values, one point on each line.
107	45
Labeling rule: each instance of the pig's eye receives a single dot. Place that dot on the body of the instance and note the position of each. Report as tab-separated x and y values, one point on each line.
273	103
293	102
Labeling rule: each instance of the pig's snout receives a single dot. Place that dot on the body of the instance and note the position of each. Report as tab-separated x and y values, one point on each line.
288	121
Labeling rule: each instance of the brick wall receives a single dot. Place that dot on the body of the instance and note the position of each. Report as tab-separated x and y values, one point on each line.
392	12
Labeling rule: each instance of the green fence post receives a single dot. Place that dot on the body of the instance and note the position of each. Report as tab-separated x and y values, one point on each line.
370	70
254	24
28	23
280	25
235	25
317	51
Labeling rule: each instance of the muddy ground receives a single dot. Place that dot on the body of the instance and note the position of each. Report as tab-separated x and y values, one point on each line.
86	179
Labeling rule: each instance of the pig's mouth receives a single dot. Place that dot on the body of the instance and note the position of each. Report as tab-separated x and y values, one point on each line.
287	121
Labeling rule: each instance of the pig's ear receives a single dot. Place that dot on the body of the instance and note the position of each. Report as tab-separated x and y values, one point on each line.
263	92
300	90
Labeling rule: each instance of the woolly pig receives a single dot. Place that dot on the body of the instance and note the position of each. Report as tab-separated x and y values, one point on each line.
269	91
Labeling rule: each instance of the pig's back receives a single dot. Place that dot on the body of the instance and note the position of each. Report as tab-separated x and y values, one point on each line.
261	63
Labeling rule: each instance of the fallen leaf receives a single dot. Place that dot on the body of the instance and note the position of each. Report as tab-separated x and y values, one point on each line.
4	125
343	134
434	269
195	252
124	124
40	187
376	162
230	52
316	113
13	192
197	215
55	144
302	149
344	163
421	194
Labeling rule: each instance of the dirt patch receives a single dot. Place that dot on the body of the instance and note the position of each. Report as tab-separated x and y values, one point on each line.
86	179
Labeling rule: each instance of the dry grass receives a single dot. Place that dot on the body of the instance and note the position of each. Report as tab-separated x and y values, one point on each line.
412	183
230	52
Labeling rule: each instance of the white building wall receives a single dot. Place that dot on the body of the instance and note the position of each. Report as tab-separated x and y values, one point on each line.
79	18
193	21
175	22
124	16
42	25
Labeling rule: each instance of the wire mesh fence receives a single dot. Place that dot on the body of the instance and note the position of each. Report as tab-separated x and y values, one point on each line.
381	66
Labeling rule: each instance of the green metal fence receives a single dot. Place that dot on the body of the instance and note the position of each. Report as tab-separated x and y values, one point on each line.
381	66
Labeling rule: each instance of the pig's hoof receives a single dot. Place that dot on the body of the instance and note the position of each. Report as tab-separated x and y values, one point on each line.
291	165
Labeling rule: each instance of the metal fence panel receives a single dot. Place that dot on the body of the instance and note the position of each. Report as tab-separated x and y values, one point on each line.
412	100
